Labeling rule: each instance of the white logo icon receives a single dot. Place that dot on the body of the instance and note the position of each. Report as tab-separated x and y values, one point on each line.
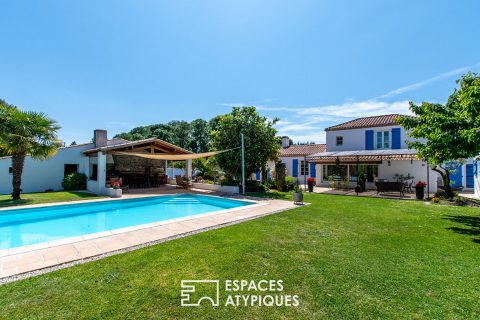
190	297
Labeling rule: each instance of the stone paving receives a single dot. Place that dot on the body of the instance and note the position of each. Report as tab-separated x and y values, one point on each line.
16	261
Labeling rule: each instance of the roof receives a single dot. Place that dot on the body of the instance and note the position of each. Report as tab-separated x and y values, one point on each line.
298	150
120	144
367	122
363	155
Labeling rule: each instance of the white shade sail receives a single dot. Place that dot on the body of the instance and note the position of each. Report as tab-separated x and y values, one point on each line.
172	157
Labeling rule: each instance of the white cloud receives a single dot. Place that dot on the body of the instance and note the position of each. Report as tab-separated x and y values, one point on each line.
423	83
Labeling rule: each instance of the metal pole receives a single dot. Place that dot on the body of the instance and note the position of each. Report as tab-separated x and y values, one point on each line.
428	181
243	164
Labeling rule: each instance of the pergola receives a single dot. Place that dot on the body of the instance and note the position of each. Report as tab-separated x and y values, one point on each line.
362	156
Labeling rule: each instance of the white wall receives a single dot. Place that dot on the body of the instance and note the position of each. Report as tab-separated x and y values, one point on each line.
39	176
354	139
289	166
416	168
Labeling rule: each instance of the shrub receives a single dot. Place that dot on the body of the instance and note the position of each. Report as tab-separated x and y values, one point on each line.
290	183
441	194
74	181
254	186
229	181
270	183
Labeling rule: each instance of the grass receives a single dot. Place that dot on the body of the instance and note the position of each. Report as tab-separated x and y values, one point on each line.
346	257
45	197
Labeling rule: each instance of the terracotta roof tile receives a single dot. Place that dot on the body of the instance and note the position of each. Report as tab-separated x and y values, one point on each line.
367	122
298	150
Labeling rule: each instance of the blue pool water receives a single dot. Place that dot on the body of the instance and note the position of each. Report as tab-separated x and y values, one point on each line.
29	226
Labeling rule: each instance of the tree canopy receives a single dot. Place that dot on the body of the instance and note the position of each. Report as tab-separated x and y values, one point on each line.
261	144
447	132
25	133
188	135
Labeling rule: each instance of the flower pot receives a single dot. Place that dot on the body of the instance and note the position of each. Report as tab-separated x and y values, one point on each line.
114	193
310	187
420	192
297	197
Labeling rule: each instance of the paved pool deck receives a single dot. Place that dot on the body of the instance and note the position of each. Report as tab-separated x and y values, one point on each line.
27	261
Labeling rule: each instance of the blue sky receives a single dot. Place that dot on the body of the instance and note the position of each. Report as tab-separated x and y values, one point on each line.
120	64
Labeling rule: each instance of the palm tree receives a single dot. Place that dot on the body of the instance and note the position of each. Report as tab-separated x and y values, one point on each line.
25	133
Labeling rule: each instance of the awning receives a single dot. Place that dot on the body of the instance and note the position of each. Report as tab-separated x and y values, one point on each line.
363	156
172	157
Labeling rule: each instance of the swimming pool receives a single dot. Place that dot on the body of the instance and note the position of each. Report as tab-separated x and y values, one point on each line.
22	227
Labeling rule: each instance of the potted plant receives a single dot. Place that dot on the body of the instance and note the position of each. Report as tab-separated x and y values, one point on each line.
420	190
116	190
297	194
311	184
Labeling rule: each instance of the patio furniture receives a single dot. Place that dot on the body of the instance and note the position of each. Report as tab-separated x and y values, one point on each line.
408	186
182	182
390	187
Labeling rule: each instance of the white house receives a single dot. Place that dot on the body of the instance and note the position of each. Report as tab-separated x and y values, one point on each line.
100	161
377	147
295	159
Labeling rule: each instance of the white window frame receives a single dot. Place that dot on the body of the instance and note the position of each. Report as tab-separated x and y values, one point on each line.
304	168
382	143
337	138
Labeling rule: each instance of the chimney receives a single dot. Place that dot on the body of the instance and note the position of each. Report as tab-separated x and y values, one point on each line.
285	142
100	138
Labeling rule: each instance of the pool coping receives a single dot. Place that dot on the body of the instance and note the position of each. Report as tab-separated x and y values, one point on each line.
40	258
101	234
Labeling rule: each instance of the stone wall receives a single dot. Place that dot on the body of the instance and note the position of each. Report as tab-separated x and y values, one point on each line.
128	164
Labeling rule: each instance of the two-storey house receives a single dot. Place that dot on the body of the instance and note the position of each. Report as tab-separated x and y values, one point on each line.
377	147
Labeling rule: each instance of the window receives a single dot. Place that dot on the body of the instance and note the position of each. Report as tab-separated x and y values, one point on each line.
334	171
379	140
370	170
10	170
339	140
70	168
386	139
383	139
304	168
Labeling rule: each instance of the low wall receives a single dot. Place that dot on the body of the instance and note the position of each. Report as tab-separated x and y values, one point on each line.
216	187
92	186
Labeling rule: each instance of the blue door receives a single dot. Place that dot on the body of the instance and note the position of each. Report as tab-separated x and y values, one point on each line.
469	176
456	177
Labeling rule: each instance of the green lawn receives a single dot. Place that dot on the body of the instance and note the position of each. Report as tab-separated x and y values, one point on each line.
346	257
45	197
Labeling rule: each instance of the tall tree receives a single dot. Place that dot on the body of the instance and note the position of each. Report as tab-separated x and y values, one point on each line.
25	133
449	132
199	136
180	133
261	144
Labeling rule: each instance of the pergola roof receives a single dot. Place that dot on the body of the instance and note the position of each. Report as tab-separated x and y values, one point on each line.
363	155
158	145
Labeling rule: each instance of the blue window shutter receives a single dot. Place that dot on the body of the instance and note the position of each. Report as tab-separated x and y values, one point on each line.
396	143
368	139
469	176
258	175
313	172
295	167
